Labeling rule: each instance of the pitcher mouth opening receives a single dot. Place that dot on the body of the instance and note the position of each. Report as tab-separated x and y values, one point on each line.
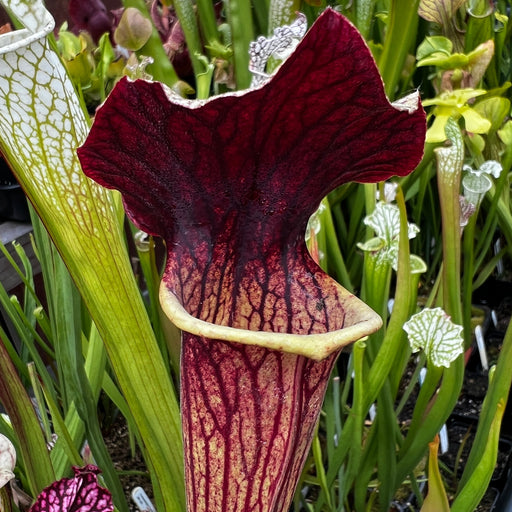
361	319
16	39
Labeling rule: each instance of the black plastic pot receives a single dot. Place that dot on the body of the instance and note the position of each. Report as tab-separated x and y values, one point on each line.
504	501
13	203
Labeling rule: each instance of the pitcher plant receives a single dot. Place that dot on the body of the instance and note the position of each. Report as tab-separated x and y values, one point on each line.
229	184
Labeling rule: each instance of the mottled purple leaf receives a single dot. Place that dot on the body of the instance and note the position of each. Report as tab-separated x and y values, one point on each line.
90	15
229	184
81	493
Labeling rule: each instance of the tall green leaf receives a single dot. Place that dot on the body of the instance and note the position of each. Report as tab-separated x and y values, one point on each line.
41	124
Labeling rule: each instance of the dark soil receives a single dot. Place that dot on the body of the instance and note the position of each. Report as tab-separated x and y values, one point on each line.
461	432
488	501
118	443
463	423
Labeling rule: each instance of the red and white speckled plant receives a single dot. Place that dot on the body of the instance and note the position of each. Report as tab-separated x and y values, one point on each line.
78	493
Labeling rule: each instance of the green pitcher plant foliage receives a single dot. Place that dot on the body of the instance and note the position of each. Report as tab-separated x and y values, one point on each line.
261	253
41	124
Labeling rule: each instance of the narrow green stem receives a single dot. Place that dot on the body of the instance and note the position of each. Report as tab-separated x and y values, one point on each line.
364	16
467	277
357	414
240	20
478	480
376	284
504	219
26	335
430	384
145	247
208	22
337	263
427	425
261	16
14	356
386	447
404	354
38	396
367	469
316	448
187	16
95	362
370	198
410	386
400	34
338	429
65	447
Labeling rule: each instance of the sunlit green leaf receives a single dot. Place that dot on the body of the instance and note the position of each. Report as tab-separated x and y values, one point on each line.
495	110
433	45
505	133
474	121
